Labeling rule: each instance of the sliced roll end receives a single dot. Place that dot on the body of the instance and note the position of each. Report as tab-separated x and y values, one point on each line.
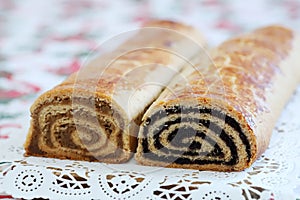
202	136
78	126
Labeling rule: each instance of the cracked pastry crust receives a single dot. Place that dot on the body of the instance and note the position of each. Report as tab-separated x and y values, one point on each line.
222	120
95	113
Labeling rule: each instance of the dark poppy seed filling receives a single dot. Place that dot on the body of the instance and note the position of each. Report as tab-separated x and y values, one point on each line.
186	137
221	116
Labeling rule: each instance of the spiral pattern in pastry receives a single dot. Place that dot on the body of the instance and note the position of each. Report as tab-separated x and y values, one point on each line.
86	129
223	118
95	113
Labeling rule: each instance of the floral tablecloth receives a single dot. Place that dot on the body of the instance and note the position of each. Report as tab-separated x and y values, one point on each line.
44	41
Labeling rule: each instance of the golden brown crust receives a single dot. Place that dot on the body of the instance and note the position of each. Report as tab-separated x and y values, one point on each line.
87	117
251	78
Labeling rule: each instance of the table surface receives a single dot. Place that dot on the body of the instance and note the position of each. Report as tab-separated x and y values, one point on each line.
44	41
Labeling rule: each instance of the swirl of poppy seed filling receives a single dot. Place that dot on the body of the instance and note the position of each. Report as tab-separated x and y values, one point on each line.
180	152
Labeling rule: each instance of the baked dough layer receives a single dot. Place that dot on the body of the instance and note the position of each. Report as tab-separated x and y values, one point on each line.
223	118
95	113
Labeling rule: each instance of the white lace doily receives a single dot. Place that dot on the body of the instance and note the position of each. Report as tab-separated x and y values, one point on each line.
41	41
276	175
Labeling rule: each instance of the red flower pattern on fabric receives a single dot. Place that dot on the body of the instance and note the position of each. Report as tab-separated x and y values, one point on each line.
67	70
15	88
5	130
